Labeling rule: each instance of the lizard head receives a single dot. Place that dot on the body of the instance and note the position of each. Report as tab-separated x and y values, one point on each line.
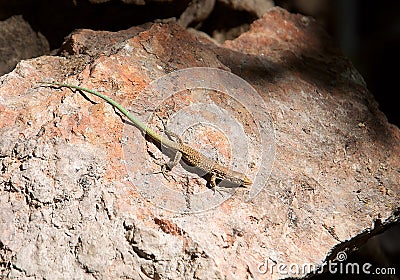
246	181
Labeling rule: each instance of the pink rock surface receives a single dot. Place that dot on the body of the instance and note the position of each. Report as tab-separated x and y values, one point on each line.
71	202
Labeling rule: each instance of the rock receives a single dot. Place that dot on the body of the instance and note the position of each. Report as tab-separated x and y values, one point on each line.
196	12
19	41
256	7
77	194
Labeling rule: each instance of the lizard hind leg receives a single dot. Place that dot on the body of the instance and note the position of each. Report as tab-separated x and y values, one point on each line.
164	170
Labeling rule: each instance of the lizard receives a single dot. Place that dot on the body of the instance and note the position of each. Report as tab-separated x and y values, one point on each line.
189	155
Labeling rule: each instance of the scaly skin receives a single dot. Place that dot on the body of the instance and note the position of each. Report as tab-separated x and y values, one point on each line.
189	155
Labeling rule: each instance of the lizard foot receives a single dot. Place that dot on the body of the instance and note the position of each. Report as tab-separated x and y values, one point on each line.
164	171
214	186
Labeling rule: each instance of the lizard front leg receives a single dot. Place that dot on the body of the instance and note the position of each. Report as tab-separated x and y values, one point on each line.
214	186
167	167
172	163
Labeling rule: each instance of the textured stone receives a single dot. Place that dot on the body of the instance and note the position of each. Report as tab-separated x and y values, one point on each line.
256	7
72	206
19	41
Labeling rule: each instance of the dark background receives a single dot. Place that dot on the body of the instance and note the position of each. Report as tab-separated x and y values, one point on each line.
368	33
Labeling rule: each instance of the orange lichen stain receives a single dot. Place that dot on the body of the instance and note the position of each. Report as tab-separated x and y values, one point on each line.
127	79
210	138
229	240
169	227
226	208
106	130
8	117
65	125
116	169
127	202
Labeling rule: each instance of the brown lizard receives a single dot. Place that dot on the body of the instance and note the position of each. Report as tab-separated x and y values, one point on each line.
189	155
